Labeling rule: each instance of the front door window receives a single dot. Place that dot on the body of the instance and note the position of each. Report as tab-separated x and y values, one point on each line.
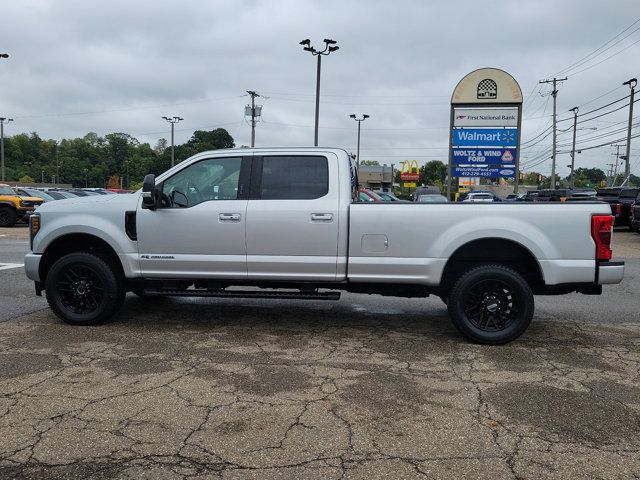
212	179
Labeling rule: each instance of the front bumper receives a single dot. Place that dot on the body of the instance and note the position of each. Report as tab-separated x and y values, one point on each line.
32	266
24	213
610	272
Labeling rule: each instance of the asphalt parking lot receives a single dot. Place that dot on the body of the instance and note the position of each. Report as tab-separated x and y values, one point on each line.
366	387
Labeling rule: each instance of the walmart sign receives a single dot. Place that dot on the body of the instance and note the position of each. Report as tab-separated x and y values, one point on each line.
485	137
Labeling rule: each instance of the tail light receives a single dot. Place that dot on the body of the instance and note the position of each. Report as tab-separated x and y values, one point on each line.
618	208
601	229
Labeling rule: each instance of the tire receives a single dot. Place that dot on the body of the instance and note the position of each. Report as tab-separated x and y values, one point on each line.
83	289
8	217
491	304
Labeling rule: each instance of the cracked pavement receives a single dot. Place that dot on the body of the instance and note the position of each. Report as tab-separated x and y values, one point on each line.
367	387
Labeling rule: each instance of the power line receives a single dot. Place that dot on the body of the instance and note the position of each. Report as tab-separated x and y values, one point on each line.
604	60
586	58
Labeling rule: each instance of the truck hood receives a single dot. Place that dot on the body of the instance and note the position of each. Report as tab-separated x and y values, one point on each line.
92	203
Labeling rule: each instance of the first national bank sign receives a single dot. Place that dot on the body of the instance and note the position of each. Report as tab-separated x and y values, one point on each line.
486	111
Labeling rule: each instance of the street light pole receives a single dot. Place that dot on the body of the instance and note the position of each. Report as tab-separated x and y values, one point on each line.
173	121
329	46
3	120
573	146
359	120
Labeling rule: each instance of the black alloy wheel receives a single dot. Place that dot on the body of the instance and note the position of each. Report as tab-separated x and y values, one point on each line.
84	289
491	304
8	217
80	288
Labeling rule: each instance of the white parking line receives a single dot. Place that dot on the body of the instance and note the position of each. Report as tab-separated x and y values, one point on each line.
7	266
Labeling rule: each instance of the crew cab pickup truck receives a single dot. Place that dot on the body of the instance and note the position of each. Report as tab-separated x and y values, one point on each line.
287	223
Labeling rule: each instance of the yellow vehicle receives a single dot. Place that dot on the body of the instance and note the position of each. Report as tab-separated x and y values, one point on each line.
13	207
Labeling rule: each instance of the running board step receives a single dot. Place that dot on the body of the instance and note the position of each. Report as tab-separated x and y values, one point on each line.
246	294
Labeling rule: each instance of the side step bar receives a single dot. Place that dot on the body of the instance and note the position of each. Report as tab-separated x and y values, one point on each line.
245	294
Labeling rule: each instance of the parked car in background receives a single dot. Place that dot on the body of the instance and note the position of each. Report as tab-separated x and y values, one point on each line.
530	196
367	196
609	195
388	196
425	190
622	208
635	215
14	207
60	194
480	197
515	197
100	191
431	198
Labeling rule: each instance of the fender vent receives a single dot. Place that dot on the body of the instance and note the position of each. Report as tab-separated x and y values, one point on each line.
130	225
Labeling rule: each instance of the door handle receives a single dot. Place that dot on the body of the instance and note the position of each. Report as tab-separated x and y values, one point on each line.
321	217
229	217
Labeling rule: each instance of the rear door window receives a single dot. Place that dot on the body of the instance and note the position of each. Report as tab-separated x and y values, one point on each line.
294	177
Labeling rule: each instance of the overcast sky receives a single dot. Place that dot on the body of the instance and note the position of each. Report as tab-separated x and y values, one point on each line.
77	66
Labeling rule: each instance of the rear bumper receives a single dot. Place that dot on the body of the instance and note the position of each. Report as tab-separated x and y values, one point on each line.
32	266
610	272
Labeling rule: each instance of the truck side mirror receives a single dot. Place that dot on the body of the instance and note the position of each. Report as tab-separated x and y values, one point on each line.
149	192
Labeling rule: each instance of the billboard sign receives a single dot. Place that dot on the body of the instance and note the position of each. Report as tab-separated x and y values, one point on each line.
484	128
485	171
483	156
485	117
485	137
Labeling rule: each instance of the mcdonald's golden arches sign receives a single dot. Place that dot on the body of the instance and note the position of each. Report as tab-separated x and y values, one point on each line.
410	171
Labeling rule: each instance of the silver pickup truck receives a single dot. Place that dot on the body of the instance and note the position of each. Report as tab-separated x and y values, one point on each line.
288	221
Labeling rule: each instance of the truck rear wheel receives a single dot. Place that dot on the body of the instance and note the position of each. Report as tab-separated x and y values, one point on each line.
491	304
83	289
8	217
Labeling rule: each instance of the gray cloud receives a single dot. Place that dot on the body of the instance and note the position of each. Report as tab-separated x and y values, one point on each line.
79	66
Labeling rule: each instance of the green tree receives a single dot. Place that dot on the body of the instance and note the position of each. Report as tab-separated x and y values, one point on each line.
432	172
202	140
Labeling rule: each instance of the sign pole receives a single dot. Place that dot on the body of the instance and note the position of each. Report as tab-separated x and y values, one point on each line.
449	169
516	180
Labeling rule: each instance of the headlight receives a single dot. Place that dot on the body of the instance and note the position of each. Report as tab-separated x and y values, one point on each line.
26	203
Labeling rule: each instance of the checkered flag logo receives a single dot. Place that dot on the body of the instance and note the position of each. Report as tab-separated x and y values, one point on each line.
487	89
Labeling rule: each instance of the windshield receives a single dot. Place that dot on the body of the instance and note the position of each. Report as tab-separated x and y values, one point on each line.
5	190
36	193
481	196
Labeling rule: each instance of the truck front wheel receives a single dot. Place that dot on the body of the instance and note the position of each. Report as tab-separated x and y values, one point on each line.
83	289
491	304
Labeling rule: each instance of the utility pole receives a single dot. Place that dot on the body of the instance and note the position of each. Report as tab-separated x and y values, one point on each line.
632	85
3	120
610	172
359	120
554	94
614	166
253	112
329	46
573	145
173	121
